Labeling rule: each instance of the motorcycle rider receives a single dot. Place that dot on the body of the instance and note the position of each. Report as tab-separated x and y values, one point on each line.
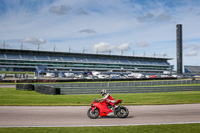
109	99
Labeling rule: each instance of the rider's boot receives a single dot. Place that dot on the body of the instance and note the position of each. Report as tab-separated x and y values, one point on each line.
114	107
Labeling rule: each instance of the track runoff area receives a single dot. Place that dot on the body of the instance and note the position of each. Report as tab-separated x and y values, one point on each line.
76	116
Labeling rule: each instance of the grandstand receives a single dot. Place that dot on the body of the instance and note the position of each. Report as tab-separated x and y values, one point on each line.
192	69
29	60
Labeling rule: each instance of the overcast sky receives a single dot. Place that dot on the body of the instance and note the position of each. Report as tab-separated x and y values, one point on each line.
129	27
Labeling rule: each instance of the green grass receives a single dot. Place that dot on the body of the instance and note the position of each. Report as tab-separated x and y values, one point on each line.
176	128
15	72
11	96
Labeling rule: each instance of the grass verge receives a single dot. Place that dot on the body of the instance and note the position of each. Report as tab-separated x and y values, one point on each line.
13	97
176	128
15	72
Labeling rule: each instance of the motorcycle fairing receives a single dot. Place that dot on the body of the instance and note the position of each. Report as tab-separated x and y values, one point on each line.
102	106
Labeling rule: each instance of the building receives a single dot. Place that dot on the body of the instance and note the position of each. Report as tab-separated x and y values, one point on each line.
192	69
29	60
179	53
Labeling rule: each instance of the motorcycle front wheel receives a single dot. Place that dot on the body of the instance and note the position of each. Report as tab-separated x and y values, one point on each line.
94	114
122	112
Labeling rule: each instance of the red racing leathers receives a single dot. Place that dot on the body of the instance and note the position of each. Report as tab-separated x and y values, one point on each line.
109	99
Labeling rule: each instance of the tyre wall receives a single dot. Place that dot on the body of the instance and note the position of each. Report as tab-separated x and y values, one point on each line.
25	87
47	90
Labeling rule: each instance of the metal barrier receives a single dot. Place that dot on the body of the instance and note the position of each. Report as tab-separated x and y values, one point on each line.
125	87
72	91
124	84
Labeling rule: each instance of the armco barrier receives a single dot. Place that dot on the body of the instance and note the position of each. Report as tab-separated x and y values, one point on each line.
123	84
115	90
126	87
116	87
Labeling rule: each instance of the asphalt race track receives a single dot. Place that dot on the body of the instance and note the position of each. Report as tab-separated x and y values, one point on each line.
7	85
75	116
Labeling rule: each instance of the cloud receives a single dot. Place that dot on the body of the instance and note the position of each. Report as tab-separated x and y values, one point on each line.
188	47
147	17
81	11
90	31
103	47
33	40
192	53
163	17
124	47
142	44
60	10
197	47
192	47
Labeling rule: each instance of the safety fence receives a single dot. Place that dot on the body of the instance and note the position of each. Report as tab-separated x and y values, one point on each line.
126	87
125	84
70	91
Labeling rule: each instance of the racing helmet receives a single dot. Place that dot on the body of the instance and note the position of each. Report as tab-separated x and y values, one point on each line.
103	92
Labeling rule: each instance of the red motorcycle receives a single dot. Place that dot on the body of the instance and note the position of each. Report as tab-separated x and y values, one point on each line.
102	108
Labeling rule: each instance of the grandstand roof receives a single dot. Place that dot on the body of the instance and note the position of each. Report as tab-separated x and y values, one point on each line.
78	54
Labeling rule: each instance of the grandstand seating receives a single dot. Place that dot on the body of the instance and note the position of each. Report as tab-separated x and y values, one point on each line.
92	60
142	62
55	58
124	61
192	69
13	56
152	62
102	60
68	59
134	62
161	63
41	57
84	60
2	56
27	57
80	59
113	61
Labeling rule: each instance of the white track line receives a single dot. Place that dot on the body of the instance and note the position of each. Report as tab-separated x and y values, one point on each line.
110	125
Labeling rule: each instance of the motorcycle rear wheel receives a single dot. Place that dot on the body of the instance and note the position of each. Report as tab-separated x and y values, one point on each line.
122	112
94	114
